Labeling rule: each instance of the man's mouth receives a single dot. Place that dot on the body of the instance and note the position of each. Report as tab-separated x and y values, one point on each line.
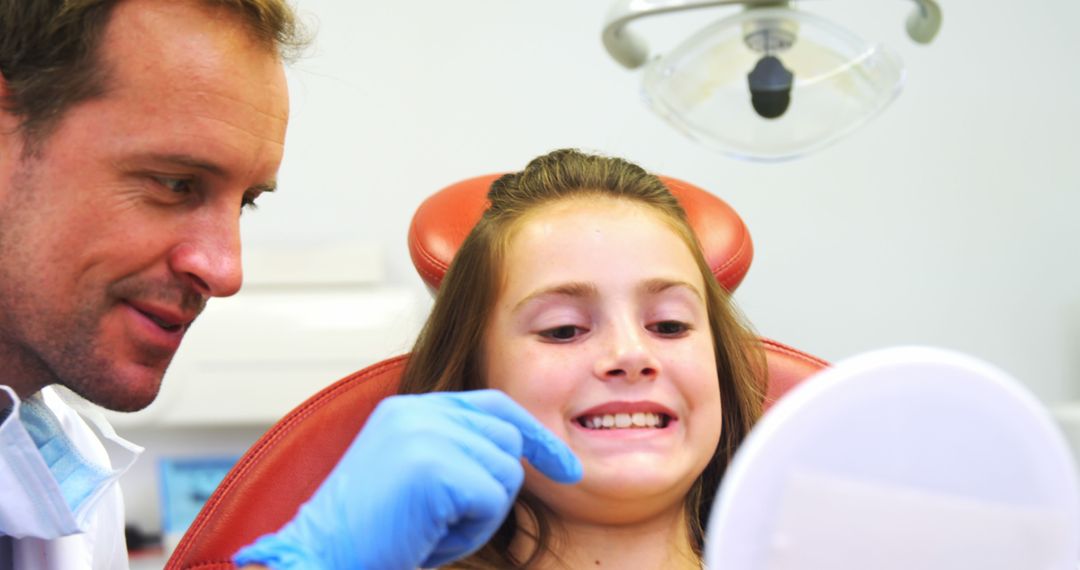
167	319
171	327
635	420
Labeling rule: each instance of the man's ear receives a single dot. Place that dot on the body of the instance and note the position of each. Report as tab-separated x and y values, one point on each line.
9	122
3	90
11	136
4	114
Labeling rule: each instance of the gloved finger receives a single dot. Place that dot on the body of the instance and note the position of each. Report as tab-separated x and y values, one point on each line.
502	433
465	540
493	444
474	504
430	426
547	453
461	543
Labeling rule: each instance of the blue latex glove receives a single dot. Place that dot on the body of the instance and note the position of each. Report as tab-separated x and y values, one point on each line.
427	481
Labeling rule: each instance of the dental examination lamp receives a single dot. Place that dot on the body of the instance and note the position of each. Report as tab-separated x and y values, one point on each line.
768	83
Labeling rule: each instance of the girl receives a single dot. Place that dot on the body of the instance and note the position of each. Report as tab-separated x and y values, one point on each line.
583	294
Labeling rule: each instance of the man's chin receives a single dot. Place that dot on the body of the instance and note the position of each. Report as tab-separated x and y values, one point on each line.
131	404
123	391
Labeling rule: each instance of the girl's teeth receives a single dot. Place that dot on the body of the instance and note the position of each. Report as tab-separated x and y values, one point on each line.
623	421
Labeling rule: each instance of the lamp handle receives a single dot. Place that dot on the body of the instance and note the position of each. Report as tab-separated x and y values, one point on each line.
632	51
924	22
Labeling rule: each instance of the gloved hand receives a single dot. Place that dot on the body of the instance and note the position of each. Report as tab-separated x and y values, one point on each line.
427	481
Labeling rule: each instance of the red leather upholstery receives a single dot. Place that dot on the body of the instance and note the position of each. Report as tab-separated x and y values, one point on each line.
264	489
287	464
787	367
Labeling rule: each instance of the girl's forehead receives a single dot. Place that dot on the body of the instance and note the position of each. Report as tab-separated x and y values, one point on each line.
589	206
575	214
593	235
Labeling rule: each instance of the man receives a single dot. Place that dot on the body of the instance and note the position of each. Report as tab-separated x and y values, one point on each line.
132	134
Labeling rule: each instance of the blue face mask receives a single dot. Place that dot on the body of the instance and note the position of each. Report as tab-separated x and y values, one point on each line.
77	477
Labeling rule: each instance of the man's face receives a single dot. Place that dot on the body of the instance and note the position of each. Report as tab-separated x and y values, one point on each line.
114	234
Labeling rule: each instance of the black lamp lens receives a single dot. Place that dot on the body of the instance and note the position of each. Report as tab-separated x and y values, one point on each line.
770	87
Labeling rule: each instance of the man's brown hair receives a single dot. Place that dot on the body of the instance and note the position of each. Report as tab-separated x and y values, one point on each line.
50	60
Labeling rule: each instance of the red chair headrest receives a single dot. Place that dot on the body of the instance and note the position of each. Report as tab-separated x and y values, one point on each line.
444	219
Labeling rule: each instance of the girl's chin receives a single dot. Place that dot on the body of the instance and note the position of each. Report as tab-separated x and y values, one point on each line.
620	503
621	486
615	485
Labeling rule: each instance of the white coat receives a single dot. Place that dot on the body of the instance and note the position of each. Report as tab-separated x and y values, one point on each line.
38	531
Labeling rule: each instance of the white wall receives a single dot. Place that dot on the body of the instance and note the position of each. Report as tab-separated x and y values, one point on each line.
950	220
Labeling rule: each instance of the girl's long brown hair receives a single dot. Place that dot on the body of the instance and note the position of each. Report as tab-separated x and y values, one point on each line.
448	355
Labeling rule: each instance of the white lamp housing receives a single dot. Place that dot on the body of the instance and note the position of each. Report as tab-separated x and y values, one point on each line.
769	83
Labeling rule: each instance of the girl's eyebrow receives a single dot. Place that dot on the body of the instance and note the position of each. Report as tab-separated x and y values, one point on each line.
573	289
659	285
584	290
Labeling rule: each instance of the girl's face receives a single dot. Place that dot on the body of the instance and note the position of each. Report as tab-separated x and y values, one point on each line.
601	331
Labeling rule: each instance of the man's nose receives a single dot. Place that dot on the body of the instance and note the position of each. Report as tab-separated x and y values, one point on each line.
208	255
627	356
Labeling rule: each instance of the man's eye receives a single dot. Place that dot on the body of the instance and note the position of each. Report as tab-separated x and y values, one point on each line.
177	185
562	333
669	328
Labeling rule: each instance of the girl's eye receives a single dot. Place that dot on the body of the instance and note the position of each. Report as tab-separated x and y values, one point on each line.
562	333
669	328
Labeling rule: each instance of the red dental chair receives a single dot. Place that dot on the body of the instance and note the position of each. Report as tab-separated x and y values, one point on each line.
287	464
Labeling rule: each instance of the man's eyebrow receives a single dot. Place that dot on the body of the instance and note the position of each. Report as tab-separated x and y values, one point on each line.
206	166
186	160
575	289
659	285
